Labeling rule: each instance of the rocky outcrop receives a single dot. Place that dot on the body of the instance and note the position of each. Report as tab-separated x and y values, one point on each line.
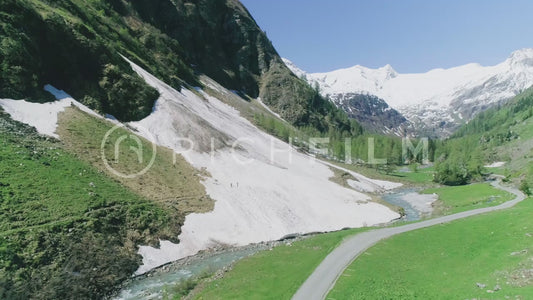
373	113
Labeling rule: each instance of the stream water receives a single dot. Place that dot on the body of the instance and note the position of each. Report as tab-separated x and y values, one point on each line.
415	205
154	284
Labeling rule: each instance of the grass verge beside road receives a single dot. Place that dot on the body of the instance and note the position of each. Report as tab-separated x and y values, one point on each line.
482	257
454	199
275	274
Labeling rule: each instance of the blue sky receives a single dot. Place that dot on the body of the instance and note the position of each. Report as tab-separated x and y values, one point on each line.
410	35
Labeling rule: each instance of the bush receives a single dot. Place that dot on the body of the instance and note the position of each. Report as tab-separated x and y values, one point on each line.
459	169
524	187
129	97
451	173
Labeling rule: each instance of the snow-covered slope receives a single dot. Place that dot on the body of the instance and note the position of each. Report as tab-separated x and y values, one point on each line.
42	116
439	99
262	191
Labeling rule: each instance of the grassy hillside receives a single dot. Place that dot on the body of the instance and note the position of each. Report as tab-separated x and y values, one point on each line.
504	133
448	261
67	231
170	181
70	227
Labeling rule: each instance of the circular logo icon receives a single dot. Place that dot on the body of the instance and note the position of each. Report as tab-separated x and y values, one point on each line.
137	149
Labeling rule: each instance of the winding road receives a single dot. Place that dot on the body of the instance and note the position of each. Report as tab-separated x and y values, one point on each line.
323	278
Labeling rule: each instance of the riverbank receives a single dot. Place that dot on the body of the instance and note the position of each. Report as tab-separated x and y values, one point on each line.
415	206
271	257
162	280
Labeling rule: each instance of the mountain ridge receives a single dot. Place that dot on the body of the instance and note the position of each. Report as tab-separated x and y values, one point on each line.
439	100
77	45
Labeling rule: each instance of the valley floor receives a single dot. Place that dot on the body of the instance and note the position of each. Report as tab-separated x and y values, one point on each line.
325	276
229	286
482	257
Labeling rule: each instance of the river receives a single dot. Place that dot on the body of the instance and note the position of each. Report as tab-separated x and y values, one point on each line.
154	284
416	206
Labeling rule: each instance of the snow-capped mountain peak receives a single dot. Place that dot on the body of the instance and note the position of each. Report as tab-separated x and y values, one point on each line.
521	58
438	100
389	71
297	71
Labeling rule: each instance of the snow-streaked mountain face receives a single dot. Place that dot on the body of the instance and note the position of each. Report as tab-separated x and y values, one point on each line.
262	189
371	112
438	101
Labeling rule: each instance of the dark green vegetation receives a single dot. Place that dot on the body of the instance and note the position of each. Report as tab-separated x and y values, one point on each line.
358	143
66	230
384	147
525	188
218	38
421	176
502	133
76	46
460	162
275	274
455	199
447	261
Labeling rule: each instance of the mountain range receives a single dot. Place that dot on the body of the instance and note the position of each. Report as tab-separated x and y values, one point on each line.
224	125
434	103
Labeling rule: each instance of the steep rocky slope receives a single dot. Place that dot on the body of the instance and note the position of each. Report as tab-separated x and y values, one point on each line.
373	113
76	46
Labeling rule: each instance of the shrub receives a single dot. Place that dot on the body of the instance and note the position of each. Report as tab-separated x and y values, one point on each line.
524	187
